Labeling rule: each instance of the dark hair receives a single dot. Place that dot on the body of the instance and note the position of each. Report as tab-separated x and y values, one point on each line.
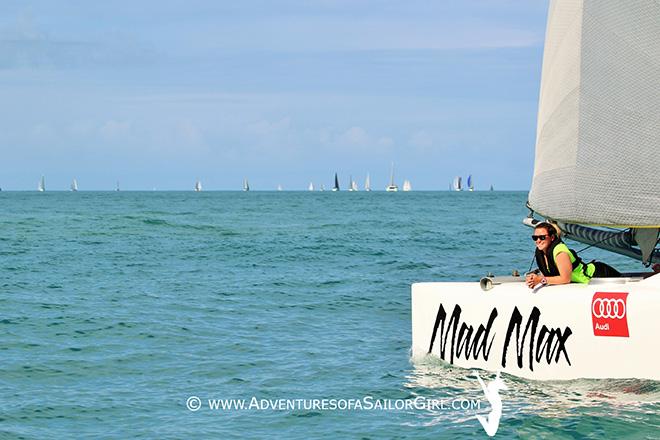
547	226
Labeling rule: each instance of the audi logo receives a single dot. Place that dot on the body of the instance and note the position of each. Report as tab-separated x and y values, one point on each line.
609	308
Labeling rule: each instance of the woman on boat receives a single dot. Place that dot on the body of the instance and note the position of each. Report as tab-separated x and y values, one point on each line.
560	265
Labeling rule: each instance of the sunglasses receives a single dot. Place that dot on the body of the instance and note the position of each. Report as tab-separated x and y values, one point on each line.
539	237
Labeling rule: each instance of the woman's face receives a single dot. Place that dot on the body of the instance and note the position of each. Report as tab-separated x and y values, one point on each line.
542	239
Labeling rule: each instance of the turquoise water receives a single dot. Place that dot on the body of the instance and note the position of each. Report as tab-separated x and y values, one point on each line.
117	307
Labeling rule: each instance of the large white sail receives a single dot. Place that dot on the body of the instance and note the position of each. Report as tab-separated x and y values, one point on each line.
598	131
42	185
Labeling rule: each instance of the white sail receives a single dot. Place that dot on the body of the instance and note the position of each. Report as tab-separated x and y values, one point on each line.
352	185
42	185
598	129
198	186
457	184
367	183
310	187
246	185
392	187
406	185
279	188
74	185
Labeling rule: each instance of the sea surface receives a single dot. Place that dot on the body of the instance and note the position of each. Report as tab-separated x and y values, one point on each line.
118	307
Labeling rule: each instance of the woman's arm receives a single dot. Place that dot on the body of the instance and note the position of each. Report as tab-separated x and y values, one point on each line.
565	269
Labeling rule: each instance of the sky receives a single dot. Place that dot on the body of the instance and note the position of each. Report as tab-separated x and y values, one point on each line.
157	94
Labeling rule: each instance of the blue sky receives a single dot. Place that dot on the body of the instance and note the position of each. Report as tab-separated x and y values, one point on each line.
159	93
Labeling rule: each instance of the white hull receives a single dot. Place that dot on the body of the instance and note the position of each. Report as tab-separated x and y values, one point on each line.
392	188
563	345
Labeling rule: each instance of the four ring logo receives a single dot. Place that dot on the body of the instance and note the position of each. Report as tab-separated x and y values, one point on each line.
609	314
609	308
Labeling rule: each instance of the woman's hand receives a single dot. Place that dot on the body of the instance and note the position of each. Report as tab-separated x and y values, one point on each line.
532	280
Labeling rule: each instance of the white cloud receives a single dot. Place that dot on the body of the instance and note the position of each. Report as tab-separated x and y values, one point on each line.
188	133
386	142
421	139
355	136
265	128
42	131
114	129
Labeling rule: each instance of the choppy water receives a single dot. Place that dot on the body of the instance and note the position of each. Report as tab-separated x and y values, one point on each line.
116	307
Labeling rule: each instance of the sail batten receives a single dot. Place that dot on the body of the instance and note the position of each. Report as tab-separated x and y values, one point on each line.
598	130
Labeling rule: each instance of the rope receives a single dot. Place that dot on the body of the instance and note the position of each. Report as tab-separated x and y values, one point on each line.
531	263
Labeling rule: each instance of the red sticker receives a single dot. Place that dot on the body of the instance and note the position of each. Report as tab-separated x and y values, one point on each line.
609	314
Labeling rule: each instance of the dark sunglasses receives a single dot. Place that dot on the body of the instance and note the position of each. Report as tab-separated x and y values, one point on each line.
539	237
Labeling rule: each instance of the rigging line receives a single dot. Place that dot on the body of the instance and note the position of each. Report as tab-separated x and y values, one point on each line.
531	263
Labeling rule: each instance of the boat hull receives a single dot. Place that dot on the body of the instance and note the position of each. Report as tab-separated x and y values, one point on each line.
607	329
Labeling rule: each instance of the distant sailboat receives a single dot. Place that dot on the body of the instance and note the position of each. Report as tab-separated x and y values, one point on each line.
279	187
311	186
246	185
457	184
491	188
406	185
352	186
117	187
392	187
367	183
42	185
74	185
470	183
198	186
322	187
336	187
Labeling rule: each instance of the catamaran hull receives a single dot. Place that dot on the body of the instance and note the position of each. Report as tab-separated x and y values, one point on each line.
607	329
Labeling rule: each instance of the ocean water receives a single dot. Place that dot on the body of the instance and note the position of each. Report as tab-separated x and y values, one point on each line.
118	307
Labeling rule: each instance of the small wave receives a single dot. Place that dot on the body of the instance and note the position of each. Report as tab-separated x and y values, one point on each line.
414	266
155	222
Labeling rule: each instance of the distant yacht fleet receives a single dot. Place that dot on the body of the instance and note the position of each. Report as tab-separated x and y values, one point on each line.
455	185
